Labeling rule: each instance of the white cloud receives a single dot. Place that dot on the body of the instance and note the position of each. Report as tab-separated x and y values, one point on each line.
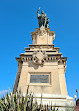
3	92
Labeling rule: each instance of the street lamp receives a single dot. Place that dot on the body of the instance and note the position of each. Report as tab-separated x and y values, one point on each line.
77	92
75	97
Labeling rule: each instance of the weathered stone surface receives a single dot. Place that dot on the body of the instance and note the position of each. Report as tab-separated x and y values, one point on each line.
42	59
43	36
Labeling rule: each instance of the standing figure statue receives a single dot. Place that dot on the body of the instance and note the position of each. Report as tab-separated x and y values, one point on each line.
42	19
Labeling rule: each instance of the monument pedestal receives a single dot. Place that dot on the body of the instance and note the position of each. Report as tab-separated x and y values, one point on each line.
63	103
43	68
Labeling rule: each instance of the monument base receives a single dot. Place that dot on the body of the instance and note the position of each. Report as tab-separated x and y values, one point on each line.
63	103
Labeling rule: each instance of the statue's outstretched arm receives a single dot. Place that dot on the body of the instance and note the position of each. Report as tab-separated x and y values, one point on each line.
38	15
38	11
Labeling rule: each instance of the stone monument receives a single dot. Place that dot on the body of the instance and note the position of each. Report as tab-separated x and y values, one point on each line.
43	68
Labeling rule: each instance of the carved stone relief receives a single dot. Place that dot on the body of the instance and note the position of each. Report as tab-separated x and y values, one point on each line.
39	57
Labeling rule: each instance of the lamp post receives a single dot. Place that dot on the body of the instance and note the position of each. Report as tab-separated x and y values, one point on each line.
77	93
75	97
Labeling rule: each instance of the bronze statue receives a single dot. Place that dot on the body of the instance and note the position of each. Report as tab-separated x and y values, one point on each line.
42	19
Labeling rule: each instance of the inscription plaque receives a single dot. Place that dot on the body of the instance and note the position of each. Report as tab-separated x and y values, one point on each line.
39	78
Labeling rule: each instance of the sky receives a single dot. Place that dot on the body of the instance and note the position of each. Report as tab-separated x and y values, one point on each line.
18	20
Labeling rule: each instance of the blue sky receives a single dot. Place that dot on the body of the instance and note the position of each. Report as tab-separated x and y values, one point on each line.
18	20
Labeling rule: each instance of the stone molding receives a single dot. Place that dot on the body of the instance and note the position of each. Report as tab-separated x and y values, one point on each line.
38	29
39	58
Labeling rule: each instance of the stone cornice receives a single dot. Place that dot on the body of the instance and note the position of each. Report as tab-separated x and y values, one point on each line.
29	54
38	29
18	59
44	46
49	58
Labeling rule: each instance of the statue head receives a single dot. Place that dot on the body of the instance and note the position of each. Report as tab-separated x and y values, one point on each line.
42	12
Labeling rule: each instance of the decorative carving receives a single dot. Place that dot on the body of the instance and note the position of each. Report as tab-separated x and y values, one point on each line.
23	59
42	31
39	57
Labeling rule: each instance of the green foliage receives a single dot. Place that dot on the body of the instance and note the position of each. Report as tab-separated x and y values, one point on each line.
17	102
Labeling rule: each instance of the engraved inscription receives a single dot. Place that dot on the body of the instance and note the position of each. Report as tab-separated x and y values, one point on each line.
39	78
